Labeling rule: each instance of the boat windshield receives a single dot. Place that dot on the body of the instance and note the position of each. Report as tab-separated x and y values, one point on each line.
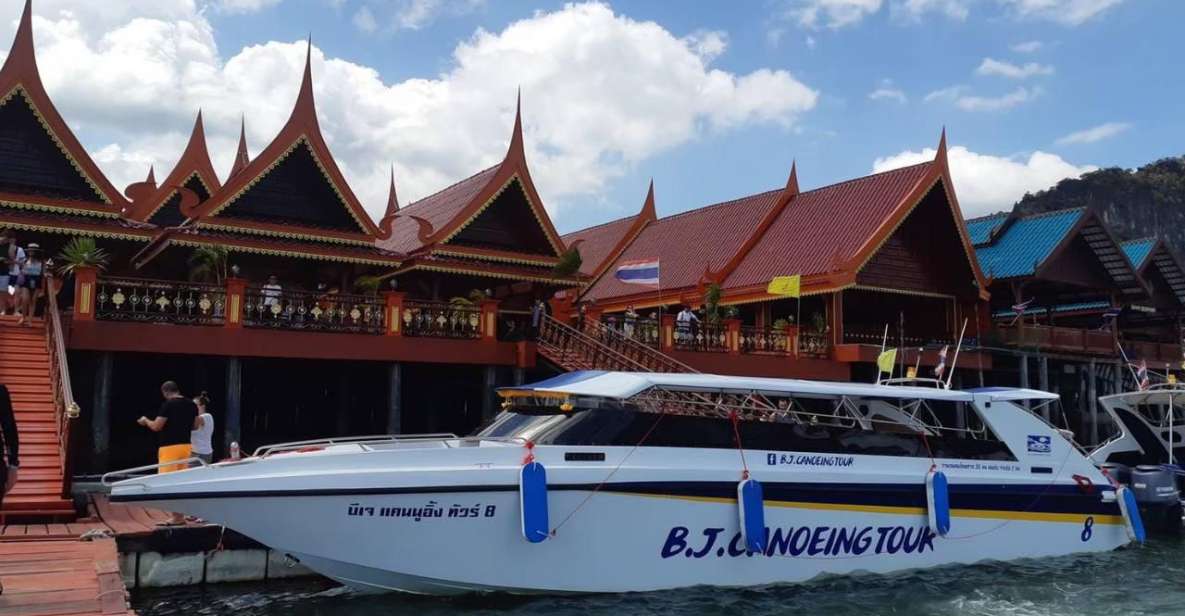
813	425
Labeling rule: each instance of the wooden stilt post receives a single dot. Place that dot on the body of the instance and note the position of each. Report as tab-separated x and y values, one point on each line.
1093	402
234	402
101	414
1043	376
395	398
488	402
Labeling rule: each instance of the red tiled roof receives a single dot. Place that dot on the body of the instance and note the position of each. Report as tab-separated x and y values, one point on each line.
597	242
822	229
690	243
438	208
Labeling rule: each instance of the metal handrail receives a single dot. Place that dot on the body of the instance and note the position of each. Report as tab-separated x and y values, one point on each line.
264	450
65	407
136	471
663	361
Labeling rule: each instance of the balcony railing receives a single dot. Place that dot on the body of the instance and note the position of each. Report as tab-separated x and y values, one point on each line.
441	320
1064	339
766	340
861	335
302	310
704	337
160	301
1155	353
643	331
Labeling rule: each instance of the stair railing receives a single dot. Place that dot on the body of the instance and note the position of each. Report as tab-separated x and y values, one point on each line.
65	408
576	349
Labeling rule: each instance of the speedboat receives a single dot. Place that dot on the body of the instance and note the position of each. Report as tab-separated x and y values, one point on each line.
613	482
1151	426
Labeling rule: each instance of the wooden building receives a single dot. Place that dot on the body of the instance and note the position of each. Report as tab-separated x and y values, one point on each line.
434	293
888	249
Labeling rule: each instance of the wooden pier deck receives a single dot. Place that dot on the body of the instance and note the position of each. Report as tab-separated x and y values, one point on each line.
48	570
45	577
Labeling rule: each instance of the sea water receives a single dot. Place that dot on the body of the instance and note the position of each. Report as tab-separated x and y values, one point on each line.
1147	579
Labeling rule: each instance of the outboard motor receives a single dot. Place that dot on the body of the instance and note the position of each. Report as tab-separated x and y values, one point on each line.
1121	473
1156	492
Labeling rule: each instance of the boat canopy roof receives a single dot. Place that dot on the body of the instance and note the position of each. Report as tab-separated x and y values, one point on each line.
624	385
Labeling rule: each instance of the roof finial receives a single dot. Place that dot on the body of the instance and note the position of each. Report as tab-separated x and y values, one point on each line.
792	181
241	156
22	43
304	108
940	155
151	176
392	198
648	210
516	136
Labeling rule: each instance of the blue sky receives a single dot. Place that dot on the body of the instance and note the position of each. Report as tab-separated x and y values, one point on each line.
712	100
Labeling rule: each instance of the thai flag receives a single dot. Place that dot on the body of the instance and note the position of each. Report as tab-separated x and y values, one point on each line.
643	271
1142	375
941	367
1020	308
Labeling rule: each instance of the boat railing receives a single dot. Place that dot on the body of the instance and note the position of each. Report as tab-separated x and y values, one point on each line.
266	450
111	477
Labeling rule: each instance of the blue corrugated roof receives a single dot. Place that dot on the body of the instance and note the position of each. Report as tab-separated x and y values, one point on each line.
1138	250
1026	244
1075	307
981	229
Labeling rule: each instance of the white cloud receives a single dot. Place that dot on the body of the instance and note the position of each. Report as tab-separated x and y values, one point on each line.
833	14
810	42
244	6
1027	47
601	92
1094	133
991	66
947	94
887	91
1018	96
986	183
707	44
1065	12
915	9
364	20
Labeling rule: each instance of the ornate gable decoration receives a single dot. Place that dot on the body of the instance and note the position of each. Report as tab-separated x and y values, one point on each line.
293	188
193	172
63	177
473	231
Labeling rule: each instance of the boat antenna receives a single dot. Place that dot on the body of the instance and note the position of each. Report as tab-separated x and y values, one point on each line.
1128	363
884	341
955	360
901	342
917	362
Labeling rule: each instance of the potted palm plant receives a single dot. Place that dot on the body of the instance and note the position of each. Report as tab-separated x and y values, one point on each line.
81	253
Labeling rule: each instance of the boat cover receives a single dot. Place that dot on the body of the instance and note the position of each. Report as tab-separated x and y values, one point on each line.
624	385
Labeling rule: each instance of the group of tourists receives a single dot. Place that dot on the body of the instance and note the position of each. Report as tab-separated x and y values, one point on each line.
22	269
185	430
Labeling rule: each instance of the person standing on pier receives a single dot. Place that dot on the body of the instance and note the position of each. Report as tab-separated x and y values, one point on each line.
10	444
177	417
200	440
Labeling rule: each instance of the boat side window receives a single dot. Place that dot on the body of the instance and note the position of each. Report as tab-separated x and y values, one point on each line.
513	424
630	427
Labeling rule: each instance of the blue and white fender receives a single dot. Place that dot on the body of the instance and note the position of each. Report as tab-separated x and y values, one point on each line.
938	502
532	492
751	504
1131	514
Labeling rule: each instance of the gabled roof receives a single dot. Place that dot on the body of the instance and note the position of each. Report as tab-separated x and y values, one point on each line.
299	138
437	218
1029	245
1026	243
599	245
827	235
1152	252
194	164
242	158
20	83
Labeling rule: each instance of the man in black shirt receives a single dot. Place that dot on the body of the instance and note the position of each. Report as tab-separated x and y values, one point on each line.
8	443
174	421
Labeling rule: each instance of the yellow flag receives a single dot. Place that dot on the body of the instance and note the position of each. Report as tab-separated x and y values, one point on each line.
911	372
788	286
886	360
1172	379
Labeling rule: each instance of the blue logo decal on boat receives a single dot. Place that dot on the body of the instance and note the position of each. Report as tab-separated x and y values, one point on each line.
1040	444
771	459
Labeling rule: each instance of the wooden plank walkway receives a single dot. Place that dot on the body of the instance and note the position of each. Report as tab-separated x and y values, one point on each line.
49	577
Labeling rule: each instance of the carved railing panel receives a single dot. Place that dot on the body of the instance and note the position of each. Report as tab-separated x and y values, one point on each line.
441	320
644	331
765	340
303	310
160	301
701	336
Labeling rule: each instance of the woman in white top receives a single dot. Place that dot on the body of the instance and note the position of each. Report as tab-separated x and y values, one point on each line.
200	439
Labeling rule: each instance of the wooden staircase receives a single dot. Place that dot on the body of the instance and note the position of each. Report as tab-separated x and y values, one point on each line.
28	369
598	347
